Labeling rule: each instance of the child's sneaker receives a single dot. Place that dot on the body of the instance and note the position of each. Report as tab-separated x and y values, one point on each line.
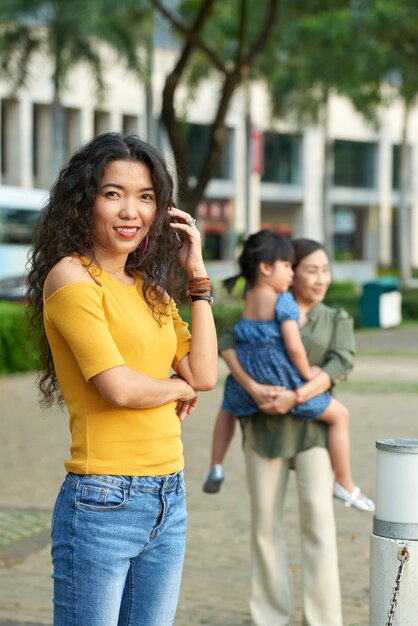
214	479
352	499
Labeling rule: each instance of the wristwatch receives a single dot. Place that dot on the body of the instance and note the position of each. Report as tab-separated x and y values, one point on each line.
207	298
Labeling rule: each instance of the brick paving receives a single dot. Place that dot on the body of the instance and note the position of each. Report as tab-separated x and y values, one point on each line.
216	577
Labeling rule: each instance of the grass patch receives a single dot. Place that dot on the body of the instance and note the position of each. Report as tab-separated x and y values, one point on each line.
378	387
388	353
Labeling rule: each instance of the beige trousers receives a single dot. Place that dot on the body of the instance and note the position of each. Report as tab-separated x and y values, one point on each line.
271	596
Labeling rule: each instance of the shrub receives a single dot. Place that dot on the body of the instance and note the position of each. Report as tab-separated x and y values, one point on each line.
342	288
17	350
410	304
225	316
349	302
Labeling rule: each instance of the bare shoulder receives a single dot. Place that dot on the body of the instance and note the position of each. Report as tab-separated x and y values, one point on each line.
259	304
67	270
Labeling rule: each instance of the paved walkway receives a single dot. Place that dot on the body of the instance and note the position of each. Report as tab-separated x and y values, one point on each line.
383	399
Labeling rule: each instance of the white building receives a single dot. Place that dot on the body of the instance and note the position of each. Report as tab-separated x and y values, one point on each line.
288	196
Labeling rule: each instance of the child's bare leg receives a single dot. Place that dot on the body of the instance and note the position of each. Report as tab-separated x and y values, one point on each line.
337	417
222	436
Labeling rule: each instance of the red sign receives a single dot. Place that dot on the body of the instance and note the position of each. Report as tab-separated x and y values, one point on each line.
256	151
214	209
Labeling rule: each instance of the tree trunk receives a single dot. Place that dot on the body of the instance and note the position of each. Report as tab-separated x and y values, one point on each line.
219	135
189	198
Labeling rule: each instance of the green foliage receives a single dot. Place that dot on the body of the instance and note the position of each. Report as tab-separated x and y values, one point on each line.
389	271
237	294
345	294
67	32
395	271
225	316
18	352
219	38
17	349
349	302
410	304
342	288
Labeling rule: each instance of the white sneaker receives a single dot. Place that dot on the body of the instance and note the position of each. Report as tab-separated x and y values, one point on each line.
214	479
352	499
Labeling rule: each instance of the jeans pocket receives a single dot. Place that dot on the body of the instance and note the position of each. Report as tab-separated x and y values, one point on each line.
96	495
56	507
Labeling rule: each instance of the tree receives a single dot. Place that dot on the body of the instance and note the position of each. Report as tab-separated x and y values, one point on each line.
68	33
224	41
308	64
391	28
364	50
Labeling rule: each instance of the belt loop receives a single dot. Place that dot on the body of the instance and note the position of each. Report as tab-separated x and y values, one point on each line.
163	484
132	486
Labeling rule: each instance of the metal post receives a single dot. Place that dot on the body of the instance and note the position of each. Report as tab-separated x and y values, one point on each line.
394	541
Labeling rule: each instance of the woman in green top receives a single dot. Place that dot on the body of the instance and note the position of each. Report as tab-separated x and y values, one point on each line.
273	446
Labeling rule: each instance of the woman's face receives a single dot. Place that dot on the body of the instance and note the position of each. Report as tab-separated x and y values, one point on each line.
312	278
124	208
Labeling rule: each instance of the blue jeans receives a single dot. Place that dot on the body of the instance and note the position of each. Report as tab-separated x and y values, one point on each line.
117	549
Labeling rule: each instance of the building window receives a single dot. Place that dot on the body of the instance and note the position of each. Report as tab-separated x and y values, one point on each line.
396	166
10	144
349	227
212	250
42	143
130	125
282	159
354	164
72	130
198	137
101	122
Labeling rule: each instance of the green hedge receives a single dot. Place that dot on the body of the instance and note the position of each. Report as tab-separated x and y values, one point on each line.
349	302
17	352
344	295
225	316
410	304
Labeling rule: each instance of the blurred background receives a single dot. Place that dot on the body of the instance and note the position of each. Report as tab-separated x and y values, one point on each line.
297	116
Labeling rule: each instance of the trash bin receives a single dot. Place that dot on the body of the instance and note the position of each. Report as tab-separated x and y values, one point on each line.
380	303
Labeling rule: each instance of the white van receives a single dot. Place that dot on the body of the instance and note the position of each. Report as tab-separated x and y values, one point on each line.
19	211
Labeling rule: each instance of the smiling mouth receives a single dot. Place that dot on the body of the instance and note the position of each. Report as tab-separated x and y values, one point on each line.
127	229
127	232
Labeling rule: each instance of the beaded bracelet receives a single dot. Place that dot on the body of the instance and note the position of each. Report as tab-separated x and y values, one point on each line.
298	396
199	288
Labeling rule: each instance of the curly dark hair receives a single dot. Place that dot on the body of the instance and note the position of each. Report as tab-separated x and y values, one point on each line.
65	227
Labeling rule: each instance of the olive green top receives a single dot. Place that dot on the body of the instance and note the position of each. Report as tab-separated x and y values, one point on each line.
328	338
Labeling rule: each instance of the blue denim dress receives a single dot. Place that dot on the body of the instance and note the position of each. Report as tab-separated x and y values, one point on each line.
261	352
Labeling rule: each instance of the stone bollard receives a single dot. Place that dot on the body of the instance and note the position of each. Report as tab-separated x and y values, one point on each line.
394	541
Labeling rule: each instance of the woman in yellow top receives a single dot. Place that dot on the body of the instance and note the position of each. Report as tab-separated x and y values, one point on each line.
104	272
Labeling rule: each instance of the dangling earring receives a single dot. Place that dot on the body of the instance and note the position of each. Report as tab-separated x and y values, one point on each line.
143	247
